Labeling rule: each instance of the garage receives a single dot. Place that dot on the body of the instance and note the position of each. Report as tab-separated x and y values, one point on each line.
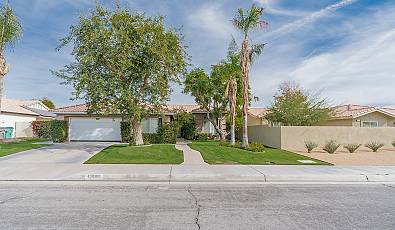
95	129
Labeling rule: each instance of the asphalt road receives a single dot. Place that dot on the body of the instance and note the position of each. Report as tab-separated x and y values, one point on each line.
39	205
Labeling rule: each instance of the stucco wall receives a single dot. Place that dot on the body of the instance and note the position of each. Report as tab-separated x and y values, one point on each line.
23	129
9	119
343	122
294	137
269	136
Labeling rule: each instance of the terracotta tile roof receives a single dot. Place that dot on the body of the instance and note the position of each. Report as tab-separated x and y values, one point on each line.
258	112
354	111
17	106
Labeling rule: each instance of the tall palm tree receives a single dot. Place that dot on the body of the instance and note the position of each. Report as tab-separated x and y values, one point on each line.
231	94
246	21
10	32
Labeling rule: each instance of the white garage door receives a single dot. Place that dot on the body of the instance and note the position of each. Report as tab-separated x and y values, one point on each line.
95	129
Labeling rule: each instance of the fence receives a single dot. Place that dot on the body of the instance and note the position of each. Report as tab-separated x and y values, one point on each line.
23	129
294	137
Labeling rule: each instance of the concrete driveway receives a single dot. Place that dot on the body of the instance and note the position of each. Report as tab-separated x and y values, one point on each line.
60	153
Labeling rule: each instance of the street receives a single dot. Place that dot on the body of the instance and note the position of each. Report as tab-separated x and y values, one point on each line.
122	205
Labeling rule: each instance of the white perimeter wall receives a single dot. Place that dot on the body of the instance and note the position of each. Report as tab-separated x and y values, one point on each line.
9	119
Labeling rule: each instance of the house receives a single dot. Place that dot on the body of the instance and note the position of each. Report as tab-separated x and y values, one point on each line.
361	116
16	116
344	115
84	127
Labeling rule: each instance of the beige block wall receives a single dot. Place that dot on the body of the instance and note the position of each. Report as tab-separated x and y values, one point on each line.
294	137
269	136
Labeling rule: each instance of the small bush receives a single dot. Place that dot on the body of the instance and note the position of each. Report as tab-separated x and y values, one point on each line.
352	147
56	130
168	133
125	132
256	147
331	146
202	136
374	146
310	146
393	143
151	138
253	146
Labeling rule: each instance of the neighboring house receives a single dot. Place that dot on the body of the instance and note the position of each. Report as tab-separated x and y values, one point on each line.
84	127
361	116
17	115
344	115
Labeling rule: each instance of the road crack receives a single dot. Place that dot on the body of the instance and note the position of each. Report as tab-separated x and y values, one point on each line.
197	205
11	199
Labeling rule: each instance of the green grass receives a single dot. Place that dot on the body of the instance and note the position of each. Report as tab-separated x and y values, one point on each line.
213	153
16	147
124	154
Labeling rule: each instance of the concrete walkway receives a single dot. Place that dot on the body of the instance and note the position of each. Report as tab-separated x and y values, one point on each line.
191	157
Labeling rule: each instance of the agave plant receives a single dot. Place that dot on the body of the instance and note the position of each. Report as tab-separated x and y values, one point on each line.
352	147
393	143
374	146
331	146
310	146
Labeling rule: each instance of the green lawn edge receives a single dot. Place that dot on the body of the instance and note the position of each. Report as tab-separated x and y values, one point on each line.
124	154
9	148
215	154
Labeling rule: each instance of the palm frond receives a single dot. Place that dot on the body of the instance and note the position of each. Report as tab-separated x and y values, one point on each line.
256	50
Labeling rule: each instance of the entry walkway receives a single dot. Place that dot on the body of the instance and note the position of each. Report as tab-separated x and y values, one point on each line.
191	157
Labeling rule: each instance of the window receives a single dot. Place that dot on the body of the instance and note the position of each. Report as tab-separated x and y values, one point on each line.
370	124
150	125
208	127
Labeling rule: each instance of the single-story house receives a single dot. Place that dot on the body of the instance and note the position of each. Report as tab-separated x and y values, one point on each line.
361	116
17	115
84	127
344	115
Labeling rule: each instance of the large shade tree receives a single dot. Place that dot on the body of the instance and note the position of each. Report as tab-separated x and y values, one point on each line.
124	63
294	106
246	21
10	32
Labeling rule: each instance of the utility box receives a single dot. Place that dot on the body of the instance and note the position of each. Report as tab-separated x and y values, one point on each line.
6	132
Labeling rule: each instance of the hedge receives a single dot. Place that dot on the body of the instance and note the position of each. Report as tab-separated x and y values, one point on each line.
167	133
56	130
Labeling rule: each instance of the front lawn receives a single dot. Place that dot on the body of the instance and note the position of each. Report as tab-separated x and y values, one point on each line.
213	153
16	147
124	154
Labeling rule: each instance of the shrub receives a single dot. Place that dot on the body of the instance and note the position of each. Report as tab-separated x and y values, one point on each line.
352	147
256	147
253	146
310	146
331	146
56	130
125	132
168	133
374	146
151	138
187	125
393	143
202	136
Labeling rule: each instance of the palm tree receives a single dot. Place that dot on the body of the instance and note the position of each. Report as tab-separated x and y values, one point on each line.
231	94
246	21
11	31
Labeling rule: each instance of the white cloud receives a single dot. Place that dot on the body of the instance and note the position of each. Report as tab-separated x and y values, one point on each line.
211	19
272	7
293	26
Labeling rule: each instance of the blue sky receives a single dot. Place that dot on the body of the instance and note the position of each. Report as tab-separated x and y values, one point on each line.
344	49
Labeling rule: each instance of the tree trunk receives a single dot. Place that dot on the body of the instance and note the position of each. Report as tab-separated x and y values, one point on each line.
221	133
3	71
245	66
136	131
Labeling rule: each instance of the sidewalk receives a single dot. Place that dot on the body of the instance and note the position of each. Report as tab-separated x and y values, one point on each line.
195	173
